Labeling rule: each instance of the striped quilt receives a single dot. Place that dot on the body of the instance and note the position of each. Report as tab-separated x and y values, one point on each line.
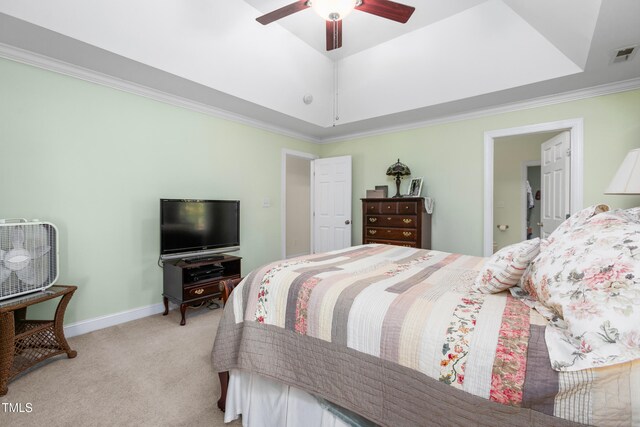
337	324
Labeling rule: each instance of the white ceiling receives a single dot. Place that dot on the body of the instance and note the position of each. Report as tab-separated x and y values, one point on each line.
451	58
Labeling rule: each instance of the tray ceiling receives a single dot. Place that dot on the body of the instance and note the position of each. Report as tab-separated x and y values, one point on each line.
450	58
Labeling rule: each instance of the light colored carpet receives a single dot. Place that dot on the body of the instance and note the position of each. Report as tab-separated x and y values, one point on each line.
149	372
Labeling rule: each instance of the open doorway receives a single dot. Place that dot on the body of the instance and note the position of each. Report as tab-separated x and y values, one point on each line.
297	196
316	203
492	205
515	158
532	196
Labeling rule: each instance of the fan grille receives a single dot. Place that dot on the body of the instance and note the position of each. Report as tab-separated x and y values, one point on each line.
28	258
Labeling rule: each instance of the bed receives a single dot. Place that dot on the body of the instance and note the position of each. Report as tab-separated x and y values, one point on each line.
405	337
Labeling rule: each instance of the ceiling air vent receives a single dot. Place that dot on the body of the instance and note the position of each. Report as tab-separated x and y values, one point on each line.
624	54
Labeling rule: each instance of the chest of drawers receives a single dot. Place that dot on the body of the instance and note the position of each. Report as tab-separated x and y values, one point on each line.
396	221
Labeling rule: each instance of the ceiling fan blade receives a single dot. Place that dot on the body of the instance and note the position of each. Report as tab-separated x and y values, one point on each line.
282	12
387	9
334	35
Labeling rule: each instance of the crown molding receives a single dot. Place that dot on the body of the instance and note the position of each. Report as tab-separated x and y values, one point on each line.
47	63
41	61
558	98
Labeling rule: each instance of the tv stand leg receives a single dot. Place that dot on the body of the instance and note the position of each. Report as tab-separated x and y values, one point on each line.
183	310
166	305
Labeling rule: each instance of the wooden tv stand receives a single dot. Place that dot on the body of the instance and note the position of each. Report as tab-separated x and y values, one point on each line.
187	283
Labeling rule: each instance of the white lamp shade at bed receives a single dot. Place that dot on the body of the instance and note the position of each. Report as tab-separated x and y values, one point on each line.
627	178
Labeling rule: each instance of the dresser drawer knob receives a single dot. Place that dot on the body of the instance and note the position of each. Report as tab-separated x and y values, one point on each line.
373	231
406	207
388	218
407	220
373	219
406	233
199	291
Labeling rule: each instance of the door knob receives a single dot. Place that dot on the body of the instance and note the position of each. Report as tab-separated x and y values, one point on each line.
347	222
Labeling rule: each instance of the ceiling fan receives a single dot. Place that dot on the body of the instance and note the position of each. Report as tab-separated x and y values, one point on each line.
333	11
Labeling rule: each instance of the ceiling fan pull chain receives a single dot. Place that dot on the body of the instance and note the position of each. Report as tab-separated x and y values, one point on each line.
336	117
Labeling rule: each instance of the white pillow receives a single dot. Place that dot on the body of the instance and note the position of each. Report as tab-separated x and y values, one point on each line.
505	268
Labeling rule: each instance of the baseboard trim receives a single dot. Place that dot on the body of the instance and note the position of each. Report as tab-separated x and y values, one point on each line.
101	322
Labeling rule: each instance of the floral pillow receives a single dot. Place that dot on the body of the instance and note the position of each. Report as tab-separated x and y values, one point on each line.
588	277
505	268
574	221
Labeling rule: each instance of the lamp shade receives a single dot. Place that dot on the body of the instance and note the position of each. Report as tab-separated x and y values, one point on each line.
627	178
398	169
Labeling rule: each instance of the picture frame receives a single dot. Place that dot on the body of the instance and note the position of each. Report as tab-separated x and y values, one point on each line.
415	187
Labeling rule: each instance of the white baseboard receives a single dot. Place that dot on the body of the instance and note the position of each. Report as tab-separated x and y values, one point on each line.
90	325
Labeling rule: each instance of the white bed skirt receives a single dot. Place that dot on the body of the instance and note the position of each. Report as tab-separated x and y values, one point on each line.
267	403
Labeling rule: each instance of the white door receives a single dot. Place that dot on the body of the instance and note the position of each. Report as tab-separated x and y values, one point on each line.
555	182
332	203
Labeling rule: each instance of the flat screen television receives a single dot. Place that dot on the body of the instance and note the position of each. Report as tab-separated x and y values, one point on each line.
194	228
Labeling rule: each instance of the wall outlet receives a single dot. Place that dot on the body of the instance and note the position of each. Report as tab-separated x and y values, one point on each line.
266	202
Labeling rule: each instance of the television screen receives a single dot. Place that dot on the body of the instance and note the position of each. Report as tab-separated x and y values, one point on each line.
198	225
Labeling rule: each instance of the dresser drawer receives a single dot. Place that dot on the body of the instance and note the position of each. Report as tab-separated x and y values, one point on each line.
407	208
372	208
399	221
408	234
391	242
200	291
389	207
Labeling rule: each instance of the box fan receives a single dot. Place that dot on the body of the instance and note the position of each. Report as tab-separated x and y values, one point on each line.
28	256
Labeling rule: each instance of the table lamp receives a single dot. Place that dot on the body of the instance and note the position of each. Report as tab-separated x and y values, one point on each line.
627	178
398	170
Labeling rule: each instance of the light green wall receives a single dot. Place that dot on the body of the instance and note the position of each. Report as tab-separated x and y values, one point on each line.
95	161
509	153
450	157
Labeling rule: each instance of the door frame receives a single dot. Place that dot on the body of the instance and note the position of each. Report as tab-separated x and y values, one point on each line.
283	197
576	129
523	195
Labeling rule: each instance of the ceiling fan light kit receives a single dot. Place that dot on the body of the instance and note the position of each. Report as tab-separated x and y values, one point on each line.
334	11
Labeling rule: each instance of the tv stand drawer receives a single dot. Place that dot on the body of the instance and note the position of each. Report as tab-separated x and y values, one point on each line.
200	291
204	289
185	283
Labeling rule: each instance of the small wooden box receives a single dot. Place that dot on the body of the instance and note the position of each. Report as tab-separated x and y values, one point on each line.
375	194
